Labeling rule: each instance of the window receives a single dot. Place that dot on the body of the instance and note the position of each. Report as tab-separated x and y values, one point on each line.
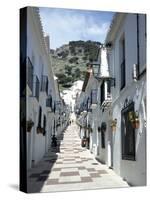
94	96
49	101
102	92
44	125
103	139
36	86
44	84
106	91
122	64
128	134
30	74
40	117
103	130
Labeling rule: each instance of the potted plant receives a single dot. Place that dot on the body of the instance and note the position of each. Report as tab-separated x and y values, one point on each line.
113	125
29	125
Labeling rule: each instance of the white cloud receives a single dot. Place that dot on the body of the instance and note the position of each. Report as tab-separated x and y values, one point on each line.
66	26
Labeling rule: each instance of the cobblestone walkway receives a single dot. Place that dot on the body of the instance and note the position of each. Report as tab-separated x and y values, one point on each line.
71	167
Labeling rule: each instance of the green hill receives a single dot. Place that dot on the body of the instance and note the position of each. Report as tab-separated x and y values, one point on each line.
69	61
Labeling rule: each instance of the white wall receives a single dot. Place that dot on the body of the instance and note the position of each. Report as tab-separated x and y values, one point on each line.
38	144
133	171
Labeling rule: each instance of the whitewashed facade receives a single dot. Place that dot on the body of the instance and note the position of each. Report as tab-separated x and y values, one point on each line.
121	91
44	104
127	61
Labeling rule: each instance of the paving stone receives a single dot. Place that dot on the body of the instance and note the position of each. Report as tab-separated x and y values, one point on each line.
52	182
71	167
86	179
72	173
90	169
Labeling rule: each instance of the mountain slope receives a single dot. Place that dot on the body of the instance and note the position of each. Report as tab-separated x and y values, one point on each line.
70	60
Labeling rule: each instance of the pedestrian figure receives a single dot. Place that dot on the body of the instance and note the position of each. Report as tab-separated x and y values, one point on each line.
54	141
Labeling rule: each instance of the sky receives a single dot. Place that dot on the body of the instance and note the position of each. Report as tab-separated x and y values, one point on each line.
64	25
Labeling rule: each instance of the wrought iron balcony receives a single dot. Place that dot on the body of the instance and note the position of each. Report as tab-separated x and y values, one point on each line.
44	84
29	73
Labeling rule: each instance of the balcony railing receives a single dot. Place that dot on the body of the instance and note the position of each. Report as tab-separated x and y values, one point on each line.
29	73
44	84
36	87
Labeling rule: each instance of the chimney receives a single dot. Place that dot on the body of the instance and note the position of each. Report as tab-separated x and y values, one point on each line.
104	63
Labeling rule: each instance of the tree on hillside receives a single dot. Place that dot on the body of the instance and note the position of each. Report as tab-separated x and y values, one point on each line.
68	70
77	73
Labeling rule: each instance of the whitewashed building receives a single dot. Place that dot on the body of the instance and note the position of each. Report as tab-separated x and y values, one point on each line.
44	104
112	105
127	61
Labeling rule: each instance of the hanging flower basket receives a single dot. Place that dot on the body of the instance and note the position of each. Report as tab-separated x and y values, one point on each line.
29	125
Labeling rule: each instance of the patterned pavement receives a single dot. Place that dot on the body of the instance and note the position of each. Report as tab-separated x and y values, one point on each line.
71	167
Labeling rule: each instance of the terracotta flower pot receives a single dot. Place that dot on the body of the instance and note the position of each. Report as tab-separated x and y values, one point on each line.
136	123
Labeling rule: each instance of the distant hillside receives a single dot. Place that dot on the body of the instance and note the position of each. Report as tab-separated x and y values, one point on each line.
69	61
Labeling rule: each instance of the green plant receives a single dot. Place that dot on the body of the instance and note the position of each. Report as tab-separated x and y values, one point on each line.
134	119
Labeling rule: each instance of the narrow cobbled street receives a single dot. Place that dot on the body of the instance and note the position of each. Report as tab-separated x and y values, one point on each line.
71	167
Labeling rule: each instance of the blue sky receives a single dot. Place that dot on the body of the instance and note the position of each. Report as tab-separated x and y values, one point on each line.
64	25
